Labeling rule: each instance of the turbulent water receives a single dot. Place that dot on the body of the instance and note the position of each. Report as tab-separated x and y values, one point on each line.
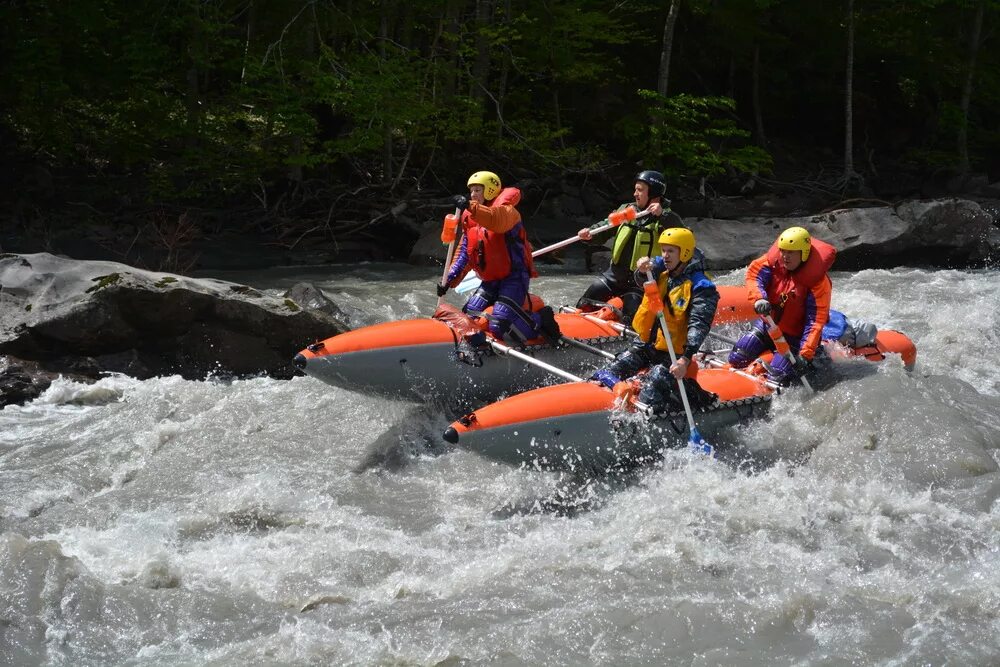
170	522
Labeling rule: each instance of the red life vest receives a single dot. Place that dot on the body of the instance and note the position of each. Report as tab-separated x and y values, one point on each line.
489	252
788	291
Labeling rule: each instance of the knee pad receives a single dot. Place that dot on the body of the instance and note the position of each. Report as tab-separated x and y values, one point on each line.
631	300
781	370
747	348
477	303
499	328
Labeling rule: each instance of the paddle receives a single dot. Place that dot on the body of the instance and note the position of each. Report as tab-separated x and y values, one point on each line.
503	349
695	441
781	345
472	281
448	234
500	348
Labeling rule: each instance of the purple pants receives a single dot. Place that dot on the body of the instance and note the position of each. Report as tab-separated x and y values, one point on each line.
757	340
506	296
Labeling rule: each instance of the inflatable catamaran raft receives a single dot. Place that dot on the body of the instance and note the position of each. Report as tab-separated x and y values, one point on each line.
426	359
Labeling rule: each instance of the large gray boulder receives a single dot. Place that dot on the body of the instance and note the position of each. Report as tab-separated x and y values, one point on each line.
938	232
88	317
428	250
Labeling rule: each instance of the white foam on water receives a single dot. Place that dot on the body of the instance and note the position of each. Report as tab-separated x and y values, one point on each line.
191	522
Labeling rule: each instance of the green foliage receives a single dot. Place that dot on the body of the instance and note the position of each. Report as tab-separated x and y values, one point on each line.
690	136
208	100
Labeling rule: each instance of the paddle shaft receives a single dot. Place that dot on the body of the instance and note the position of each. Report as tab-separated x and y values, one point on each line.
673	360
617	326
573	239
528	359
625	330
472	281
783	348
447	261
719	363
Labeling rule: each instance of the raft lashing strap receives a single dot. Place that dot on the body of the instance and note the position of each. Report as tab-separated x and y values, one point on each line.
736	404
464	352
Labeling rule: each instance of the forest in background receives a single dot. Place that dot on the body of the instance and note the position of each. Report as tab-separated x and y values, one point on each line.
159	121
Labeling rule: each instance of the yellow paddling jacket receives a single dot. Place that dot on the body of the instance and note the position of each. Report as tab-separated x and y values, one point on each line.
689	303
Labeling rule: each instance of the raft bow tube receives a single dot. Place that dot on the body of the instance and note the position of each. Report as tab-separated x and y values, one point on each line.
426	359
576	426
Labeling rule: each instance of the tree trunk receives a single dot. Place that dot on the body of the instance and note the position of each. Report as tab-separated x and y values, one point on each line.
758	113
963	128
251	31
731	83
192	93
452	25
383	33
504	72
667	47
481	69
849	173
309	27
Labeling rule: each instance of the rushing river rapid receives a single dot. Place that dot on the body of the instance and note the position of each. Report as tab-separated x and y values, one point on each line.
266	522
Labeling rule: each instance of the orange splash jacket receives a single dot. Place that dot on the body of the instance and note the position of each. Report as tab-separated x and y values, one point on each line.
494	244
800	300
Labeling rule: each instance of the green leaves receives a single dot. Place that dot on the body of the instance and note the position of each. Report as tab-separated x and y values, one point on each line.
197	99
691	136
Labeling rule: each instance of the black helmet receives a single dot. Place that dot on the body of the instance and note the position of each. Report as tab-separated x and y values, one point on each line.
654	179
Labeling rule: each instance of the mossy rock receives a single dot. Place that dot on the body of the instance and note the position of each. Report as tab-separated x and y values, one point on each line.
104	281
245	290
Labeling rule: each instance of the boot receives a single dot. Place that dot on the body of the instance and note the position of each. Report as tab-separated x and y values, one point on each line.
548	327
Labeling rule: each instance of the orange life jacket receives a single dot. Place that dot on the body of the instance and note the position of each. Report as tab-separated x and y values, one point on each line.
490	252
788	291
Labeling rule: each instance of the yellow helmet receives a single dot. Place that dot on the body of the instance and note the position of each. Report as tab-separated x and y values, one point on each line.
795	238
682	238
489	181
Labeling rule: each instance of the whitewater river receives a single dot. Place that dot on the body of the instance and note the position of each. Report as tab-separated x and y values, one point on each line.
264	522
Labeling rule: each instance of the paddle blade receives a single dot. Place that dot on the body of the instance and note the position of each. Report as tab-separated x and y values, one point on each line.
448	230
697	445
652	292
618	217
470	283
